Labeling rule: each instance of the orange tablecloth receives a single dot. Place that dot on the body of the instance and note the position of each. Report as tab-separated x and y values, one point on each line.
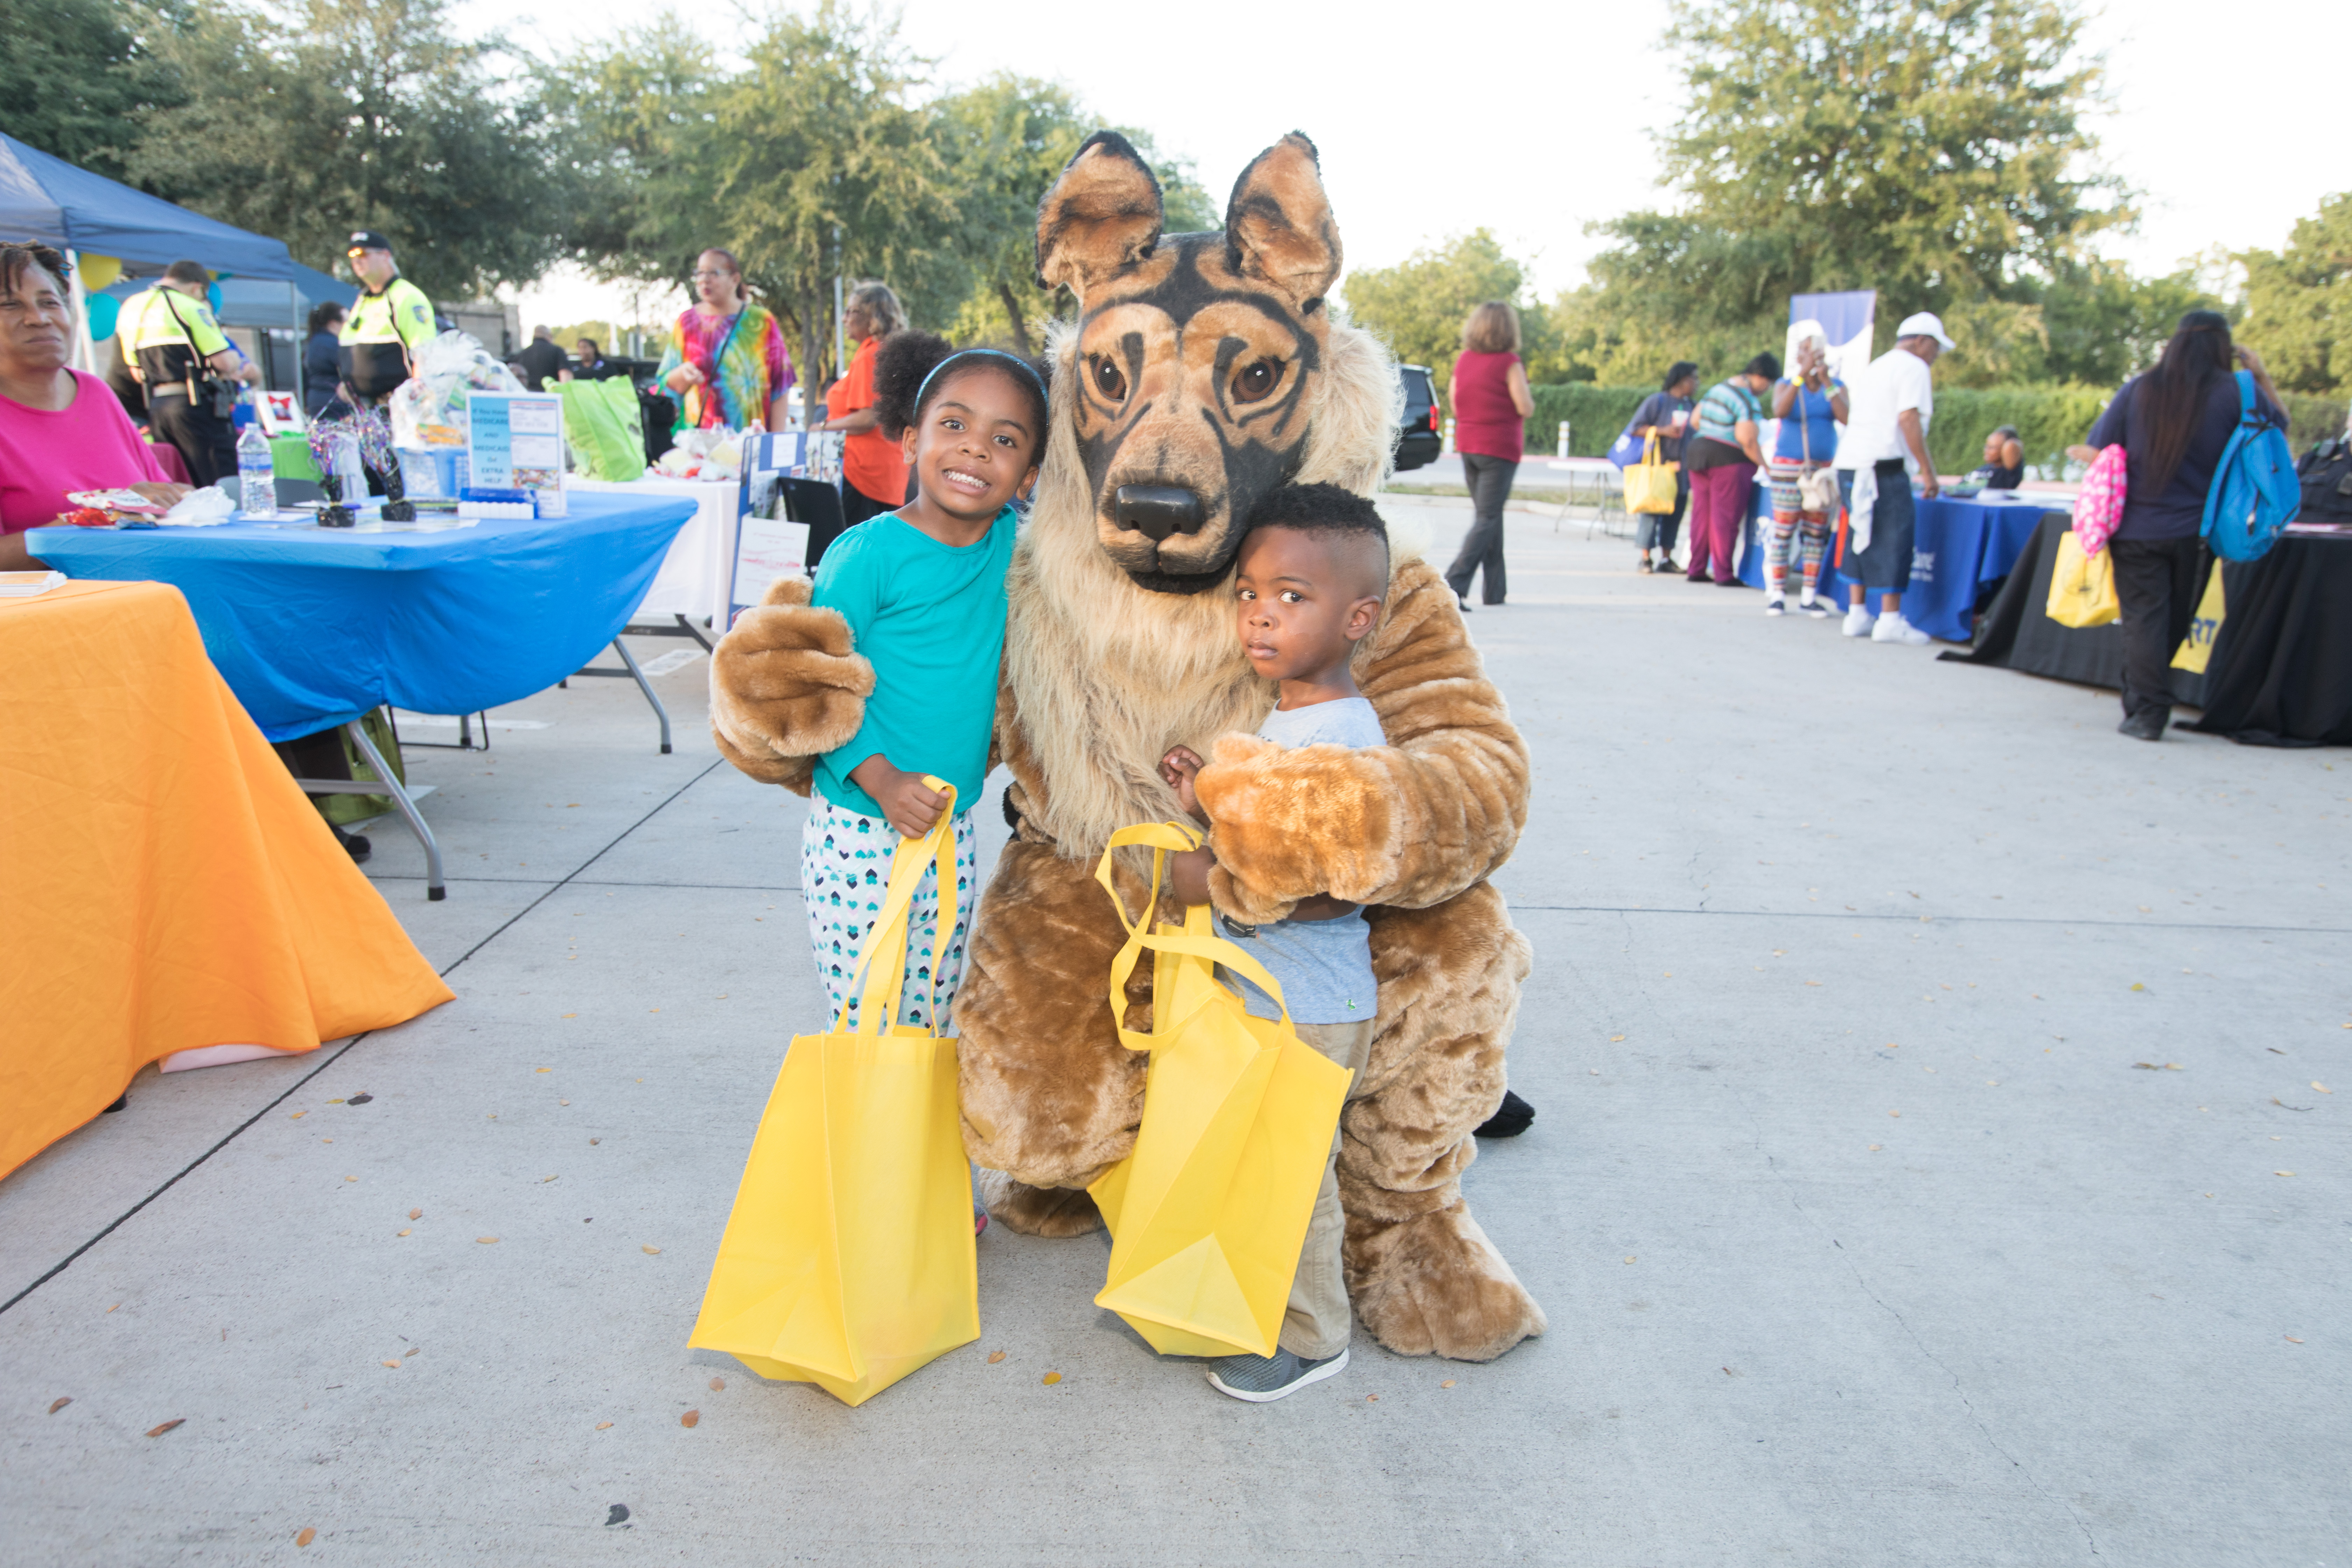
166	884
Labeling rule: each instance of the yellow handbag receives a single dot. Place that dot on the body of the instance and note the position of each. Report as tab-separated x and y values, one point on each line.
848	1259
2196	649
1650	483
2081	587
1208	1213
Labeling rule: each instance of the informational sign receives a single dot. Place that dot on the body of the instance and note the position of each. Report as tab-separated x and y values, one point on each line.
767	544
766	548
514	441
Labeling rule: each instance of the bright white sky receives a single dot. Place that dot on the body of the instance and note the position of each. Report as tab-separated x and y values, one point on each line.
1535	120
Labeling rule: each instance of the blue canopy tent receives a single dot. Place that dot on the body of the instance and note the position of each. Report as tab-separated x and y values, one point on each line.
48	199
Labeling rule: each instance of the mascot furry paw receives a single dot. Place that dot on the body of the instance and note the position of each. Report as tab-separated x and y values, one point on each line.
1204	369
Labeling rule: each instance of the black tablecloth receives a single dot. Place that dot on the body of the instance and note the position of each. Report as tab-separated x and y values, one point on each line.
2017	632
2280	673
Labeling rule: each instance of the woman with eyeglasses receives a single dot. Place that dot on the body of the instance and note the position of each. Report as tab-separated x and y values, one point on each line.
727	359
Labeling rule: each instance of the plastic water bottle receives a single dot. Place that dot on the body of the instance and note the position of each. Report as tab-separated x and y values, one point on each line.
257	472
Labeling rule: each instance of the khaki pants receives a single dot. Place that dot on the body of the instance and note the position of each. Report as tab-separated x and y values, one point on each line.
1317	1322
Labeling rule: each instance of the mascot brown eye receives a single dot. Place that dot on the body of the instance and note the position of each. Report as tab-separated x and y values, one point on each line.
1109	379
1257	381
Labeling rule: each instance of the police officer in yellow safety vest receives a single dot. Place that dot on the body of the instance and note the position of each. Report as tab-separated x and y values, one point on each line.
390	320
177	350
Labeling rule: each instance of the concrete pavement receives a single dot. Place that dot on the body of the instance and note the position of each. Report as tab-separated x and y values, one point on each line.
1864	1235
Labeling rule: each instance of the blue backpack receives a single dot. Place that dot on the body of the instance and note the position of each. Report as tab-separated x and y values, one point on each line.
2255	492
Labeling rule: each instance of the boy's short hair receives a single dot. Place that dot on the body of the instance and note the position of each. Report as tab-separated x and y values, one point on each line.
1317	509
1326	509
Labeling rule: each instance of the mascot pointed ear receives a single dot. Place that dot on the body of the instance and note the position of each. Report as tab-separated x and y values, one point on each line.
1103	212
1278	225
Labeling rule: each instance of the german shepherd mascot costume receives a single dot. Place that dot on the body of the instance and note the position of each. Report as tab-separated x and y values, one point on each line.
1202	369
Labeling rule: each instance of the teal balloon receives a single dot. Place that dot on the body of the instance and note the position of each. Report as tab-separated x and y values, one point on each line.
212	297
104	310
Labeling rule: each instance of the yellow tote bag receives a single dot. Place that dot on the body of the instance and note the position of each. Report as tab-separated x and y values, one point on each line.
848	1260
1650	483
2197	648
1208	1212
2081	587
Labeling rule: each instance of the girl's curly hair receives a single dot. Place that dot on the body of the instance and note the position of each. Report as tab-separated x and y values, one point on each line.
903	364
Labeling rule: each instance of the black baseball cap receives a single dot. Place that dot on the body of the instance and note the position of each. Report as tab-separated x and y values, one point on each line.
367	240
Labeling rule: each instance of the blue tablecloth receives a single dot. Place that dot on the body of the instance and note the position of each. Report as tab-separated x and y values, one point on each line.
314	626
1960	545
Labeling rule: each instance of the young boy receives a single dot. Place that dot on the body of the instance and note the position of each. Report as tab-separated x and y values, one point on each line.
1310	577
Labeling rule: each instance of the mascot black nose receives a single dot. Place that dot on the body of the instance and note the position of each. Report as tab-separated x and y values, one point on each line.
1158	510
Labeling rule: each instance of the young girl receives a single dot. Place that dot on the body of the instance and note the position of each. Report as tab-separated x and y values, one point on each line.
923	590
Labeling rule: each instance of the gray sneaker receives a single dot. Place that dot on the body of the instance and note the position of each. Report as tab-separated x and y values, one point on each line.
1260	1379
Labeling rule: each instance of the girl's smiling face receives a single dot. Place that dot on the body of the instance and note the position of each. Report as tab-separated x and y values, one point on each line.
972	447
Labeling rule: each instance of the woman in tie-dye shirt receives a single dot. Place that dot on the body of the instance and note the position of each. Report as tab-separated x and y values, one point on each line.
727	359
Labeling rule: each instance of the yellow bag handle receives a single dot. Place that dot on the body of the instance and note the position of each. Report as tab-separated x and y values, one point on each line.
1163	837
883	962
1650	448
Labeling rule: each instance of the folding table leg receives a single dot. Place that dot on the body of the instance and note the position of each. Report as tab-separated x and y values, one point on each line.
434	889
647	687
707	646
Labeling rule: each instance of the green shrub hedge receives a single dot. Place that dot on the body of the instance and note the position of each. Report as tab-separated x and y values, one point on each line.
2049	420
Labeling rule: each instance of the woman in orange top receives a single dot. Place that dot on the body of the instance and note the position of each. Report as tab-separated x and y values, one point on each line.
873	468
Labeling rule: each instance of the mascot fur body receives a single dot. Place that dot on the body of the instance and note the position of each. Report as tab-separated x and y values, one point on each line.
1204	369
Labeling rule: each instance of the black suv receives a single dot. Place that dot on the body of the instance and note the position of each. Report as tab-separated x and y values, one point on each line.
1421	437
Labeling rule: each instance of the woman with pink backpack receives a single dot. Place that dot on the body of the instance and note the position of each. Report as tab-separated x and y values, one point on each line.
2173	423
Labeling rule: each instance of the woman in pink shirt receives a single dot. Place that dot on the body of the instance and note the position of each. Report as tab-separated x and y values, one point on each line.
59	430
1491	403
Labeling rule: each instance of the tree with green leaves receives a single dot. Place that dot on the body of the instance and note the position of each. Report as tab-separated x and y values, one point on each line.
637	109
1420	304
74	77
823	168
1934	149
2298	301
361	114
1008	138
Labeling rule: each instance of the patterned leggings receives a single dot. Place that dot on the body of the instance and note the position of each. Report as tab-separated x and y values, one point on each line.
844	870
1788	522
1785	532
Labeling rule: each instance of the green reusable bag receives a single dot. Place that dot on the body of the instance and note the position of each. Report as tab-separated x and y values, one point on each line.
607	433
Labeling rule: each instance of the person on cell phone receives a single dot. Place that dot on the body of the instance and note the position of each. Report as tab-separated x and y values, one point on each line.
1810	407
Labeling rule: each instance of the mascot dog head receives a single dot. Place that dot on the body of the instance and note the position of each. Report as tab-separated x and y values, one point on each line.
1196	355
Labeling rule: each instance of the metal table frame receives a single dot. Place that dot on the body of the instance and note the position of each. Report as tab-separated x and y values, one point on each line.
388	785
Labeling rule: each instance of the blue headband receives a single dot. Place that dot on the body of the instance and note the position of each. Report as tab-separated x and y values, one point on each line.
1026	369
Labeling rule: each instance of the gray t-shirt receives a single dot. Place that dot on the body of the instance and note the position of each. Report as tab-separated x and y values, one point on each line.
1325	967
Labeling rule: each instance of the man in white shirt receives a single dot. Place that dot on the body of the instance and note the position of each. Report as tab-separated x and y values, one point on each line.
1886	441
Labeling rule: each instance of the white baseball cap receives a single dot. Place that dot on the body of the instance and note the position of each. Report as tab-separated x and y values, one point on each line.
1924	324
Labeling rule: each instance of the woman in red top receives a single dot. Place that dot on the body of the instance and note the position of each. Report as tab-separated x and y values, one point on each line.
1491	403
873	468
60	430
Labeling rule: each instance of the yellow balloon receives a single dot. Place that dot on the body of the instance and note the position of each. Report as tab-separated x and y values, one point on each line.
98	271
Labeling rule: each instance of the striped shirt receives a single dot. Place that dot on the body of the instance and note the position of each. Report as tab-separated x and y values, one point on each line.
1727	404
